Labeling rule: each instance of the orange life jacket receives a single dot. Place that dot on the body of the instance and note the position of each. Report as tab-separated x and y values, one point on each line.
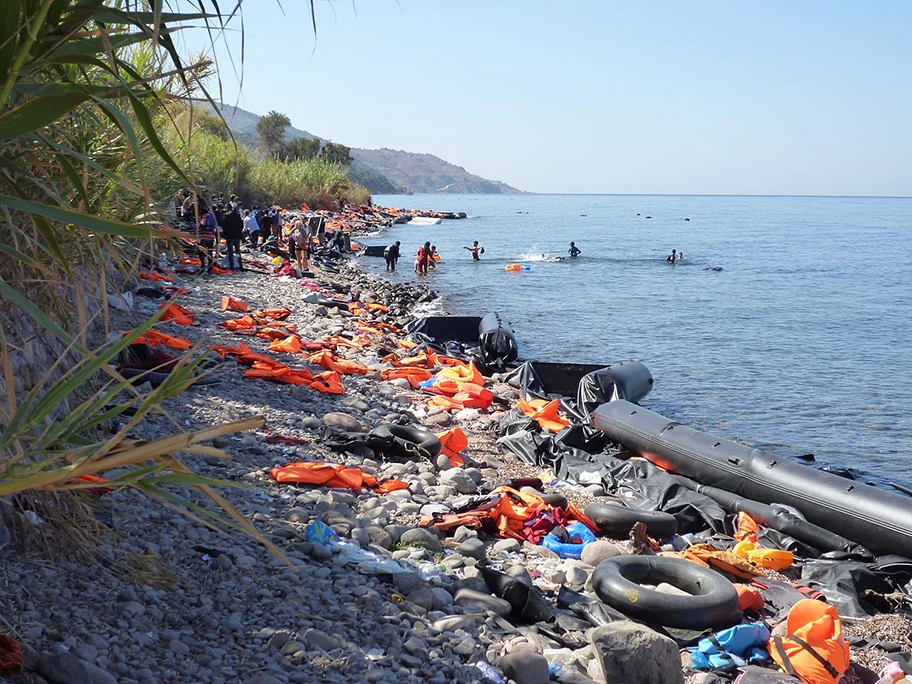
545	413
333	475
275	314
289	345
176	314
154	338
413	375
814	649
452	443
232	304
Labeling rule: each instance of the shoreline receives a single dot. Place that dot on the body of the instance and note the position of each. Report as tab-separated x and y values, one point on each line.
224	608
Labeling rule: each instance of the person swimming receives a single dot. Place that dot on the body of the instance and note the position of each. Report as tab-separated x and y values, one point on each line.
672	257
574	251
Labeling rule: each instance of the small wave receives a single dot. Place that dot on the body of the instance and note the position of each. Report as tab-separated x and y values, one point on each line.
529	256
434	308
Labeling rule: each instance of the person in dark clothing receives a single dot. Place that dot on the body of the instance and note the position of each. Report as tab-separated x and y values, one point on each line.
206	239
265	225
391	254
233	230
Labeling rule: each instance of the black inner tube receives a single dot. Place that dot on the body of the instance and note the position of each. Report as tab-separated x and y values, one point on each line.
617	521
713	601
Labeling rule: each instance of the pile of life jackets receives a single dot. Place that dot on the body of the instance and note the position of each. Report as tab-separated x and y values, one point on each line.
748	547
266	368
512	514
333	475
458	386
455	386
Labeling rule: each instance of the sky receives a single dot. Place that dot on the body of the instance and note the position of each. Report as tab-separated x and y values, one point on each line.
596	96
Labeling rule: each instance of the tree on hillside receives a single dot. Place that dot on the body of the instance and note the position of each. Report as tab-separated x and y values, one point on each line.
300	148
336	153
209	123
271	129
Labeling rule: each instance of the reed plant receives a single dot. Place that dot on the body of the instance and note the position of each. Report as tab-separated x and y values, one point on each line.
86	89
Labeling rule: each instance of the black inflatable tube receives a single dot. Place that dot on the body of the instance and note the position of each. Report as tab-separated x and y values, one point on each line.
617	521
783	521
877	519
496	339
713	602
425	439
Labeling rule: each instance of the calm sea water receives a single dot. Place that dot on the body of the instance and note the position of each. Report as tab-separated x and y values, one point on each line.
801	344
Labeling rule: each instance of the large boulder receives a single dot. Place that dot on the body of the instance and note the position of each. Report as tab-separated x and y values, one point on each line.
524	667
634	654
342	422
65	668
599	551
458	479
421	537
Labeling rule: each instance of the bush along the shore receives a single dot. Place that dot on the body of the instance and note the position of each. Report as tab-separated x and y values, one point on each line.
84	184
216	162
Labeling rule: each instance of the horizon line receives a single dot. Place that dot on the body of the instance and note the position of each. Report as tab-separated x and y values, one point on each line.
643	194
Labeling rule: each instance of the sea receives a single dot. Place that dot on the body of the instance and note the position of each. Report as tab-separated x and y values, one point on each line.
787	326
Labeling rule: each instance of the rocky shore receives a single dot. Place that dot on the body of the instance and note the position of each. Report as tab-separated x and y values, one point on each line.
165	599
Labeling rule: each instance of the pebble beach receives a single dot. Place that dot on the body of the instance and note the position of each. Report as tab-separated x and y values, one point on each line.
165	599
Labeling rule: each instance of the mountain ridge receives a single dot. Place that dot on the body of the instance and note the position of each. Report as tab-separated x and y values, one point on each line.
383	170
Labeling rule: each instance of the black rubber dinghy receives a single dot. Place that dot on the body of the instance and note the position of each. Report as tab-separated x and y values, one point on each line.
878	519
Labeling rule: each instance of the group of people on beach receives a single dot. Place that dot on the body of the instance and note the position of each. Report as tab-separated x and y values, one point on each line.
289	235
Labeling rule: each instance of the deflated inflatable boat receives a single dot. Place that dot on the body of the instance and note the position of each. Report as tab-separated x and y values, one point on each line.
877	519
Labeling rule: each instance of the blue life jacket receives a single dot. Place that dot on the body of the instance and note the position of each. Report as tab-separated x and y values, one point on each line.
733	647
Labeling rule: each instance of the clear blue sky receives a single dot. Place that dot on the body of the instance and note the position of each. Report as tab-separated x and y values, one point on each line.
772	97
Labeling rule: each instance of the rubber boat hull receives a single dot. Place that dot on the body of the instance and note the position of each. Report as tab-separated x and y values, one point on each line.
497	341
446	328
374	250
877	519
562	378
